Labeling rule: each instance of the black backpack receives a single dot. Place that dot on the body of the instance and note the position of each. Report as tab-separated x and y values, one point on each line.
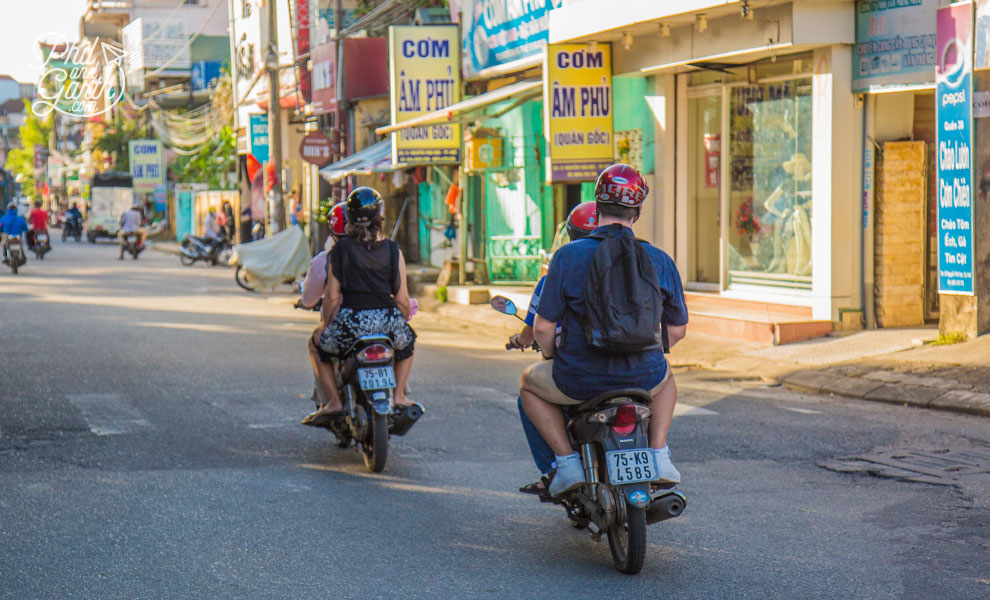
623	298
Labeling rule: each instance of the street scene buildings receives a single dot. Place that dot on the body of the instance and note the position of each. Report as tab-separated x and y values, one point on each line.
818	171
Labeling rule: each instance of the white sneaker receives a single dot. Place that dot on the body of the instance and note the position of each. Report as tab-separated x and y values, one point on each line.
668	474
570	474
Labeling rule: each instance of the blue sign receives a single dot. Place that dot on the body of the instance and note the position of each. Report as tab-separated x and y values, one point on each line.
258	136
954	155
895	43
501	31
205	74
161	199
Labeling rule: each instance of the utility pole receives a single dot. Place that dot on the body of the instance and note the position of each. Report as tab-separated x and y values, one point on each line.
339	115
274	118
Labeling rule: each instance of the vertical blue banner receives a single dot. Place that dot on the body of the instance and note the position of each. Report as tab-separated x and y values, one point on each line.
258	136
954	133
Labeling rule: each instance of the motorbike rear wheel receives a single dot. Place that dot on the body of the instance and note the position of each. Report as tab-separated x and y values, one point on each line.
240	276
374	448
14	264
627	541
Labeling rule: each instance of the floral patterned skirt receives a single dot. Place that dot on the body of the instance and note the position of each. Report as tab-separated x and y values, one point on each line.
350	324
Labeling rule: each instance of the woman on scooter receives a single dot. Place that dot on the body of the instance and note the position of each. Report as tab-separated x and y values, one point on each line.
366	294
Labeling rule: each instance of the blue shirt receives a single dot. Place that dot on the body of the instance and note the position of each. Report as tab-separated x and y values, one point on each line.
579	370
13	224
535	301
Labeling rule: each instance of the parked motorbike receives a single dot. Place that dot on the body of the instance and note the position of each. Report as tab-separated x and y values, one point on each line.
199	248
15	257
621	494
130	245
73	227
41	244
366	380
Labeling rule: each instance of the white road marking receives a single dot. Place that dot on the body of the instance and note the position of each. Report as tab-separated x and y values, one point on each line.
261	413
686	410
803	411
109	414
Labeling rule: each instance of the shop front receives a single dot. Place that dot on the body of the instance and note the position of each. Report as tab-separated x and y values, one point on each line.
758	136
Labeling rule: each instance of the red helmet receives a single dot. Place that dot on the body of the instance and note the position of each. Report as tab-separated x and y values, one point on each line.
582	220
621	184
336	218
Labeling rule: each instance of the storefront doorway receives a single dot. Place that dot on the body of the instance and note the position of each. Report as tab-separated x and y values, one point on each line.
704	182
748	155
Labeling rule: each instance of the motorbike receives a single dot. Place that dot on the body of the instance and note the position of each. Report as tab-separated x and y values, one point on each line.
41	244
621	494
366	381
130	245
198	248
15	257
73	227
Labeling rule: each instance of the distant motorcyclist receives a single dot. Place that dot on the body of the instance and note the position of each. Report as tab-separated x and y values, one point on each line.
73	213
133	221
12	224
39	222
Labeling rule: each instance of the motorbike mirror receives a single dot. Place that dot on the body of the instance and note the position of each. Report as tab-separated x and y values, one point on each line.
504	305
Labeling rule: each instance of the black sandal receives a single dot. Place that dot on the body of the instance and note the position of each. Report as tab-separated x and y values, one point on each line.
533	488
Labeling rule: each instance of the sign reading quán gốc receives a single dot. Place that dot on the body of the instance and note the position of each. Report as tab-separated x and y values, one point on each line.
424	69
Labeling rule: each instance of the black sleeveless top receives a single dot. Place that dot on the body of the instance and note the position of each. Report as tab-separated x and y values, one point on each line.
368	278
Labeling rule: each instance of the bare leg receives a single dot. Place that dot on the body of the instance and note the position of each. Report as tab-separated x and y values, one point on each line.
325	374
403	368
663	413
549	420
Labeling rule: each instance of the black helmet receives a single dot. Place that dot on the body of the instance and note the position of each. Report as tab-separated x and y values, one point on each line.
363	205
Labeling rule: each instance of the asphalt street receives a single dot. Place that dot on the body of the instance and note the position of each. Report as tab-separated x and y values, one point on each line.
150	447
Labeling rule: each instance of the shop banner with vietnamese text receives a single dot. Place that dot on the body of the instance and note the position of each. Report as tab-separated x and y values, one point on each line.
954	134
501	31
577	90
425	75
146	158
258	136
895	43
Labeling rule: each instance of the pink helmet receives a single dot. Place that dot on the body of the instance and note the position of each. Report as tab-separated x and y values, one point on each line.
621	184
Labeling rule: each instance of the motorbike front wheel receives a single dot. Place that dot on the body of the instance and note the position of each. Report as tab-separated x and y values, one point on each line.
627	541
240	276
65	233
374	448
186	261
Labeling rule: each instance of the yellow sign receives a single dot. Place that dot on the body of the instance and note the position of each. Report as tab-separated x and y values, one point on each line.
425	70
577	91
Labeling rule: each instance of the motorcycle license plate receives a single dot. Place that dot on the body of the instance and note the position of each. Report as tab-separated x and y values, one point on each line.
631	466
42	237
376	378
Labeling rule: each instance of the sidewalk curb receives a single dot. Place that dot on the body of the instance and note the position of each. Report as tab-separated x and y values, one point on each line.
165	248
819	382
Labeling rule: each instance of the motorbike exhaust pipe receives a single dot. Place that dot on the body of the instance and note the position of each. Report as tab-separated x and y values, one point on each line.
665	507
404	421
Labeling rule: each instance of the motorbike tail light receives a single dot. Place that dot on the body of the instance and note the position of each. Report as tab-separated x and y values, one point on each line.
625	415
375	353
622	418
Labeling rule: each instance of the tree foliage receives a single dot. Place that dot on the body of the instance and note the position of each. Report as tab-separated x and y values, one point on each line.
20	161
212	164
113	141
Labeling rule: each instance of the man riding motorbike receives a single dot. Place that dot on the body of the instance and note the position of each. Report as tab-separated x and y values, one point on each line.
12	224
73	216
133	221
39	222
579	371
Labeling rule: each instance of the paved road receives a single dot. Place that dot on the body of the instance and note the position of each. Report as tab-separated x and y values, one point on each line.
150	448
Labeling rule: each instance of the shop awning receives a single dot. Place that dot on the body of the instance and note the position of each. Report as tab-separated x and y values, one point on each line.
521	90
376	158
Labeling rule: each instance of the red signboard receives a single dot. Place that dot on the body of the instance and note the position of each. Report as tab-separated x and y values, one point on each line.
324	95
302	46
315	149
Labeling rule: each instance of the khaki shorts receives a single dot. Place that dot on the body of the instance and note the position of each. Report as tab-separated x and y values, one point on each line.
538	378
